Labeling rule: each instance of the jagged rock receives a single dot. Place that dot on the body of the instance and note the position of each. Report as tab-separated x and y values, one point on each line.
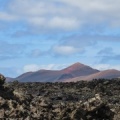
61	101
89	110
19	93
2	79
2	102
2	113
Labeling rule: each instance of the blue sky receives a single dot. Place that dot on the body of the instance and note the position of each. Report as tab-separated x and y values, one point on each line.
36	34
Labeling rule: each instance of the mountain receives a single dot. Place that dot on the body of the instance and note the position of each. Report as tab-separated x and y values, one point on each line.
73	73
107	74
70	72
79	69
40	76
8	79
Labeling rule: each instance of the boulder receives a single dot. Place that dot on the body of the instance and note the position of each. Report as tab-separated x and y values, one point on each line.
2	79
2	113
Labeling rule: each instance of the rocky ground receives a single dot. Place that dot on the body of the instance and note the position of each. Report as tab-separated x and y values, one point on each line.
94	100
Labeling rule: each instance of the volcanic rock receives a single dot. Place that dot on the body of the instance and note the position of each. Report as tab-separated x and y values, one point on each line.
2	80
61	101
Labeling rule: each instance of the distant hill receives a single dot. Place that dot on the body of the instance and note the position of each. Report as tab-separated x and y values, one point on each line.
107	74
73	73
8	79
79	69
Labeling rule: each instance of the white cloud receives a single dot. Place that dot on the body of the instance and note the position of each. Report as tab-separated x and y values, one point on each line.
64	23
65	50
31	67
63	14
7	17
54	23
106	66
36	67
37	21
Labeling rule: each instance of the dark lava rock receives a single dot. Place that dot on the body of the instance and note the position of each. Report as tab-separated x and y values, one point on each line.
93	100
2	80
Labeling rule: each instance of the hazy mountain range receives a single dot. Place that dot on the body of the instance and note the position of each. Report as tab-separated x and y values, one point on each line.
73	73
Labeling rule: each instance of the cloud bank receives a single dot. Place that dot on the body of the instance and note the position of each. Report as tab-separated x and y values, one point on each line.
62	14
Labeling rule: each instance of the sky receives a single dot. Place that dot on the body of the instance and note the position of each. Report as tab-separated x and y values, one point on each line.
53	34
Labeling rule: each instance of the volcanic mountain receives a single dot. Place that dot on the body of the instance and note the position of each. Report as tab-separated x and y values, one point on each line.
70	72
79	69
106	74
73	73
9	79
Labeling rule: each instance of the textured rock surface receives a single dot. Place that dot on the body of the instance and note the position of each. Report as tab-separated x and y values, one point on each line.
94	100
2	79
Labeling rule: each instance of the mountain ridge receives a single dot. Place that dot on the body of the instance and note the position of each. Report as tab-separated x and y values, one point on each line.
106	74
72	73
